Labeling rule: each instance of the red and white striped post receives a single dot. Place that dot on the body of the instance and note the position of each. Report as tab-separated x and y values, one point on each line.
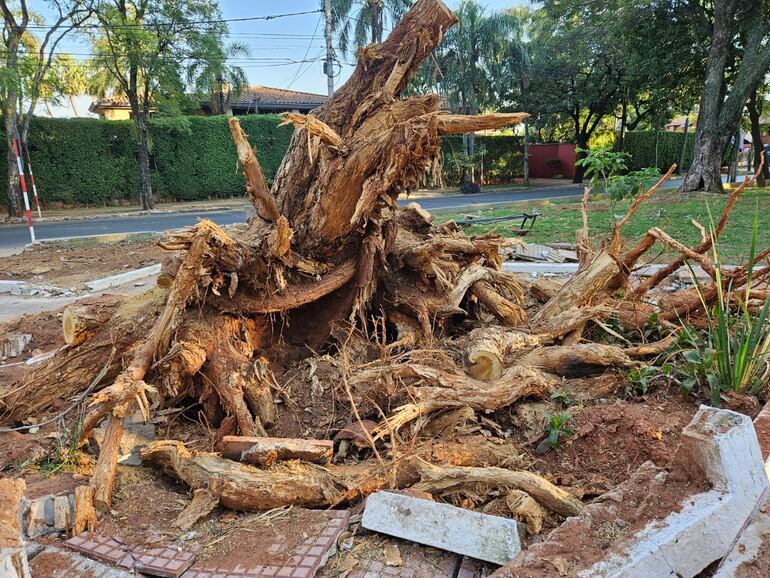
32	179
24	188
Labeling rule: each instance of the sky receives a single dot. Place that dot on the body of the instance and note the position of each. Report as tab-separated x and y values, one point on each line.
290	40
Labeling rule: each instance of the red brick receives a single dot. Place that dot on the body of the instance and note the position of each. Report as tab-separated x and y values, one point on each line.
103	549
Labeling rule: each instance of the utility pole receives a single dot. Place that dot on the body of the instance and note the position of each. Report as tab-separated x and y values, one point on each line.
329	64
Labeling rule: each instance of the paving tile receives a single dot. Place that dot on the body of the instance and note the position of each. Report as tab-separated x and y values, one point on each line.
102	548
164	562
469	568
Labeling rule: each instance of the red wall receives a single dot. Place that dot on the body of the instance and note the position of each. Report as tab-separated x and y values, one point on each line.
540	154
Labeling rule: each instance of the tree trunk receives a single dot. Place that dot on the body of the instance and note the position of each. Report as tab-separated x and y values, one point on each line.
758	148
145	181
581	141
705	172
15	202
375	10
623	121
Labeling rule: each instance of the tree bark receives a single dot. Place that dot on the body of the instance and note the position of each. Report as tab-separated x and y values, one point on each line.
145	179
755	110
15	202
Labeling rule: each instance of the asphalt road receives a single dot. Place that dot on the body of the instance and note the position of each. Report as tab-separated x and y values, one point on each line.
14	237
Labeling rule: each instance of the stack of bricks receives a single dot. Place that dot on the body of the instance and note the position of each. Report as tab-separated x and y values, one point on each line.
48	514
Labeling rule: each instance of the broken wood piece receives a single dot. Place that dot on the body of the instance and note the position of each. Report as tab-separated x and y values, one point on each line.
256	186
201	505
103	477
168	271
80	321
577	360
507	312
486	348
482	536
85	514
440	478
266	451
523	506
544	288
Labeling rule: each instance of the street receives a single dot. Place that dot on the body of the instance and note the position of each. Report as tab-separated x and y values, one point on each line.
15	236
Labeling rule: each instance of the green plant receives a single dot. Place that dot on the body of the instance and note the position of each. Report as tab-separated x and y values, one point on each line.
734	352
556	428
63	453
565	396
641	379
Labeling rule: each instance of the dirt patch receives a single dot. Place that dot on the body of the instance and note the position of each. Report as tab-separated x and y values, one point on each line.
45	329
57	564
607	526
144	505
71	267
612	438
60	484
759	567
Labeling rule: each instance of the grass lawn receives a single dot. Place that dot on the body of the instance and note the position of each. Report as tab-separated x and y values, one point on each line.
668	210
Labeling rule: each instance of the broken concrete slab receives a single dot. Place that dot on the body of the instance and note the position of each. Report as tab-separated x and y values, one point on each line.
489	538
14	563
749	554
14	345
13	556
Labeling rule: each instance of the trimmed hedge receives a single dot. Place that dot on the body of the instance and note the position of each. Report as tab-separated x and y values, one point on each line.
84	161
641	146
503	159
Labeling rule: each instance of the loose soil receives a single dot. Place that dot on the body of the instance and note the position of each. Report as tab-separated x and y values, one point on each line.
71	267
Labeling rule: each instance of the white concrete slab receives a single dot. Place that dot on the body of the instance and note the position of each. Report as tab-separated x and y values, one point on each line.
490	538
122	278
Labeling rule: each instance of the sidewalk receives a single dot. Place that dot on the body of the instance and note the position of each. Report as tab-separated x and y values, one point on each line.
79	213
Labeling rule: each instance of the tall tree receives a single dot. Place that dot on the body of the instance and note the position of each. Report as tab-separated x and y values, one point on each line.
481	59
738	59
26	63
360	22
146	50
755	107
218	79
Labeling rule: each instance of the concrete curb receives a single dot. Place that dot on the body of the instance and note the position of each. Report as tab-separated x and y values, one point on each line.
90	240
724	444
121	278
137	213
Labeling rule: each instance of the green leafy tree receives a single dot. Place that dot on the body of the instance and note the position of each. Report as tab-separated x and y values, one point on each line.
26	63
738	60
145	51
217	79
360	22
479	61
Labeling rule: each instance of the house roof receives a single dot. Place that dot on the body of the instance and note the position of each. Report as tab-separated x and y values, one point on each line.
269	96
252	97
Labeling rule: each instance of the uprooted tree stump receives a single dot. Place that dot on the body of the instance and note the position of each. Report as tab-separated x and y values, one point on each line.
329	246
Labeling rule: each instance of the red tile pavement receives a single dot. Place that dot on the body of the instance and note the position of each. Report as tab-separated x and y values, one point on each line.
165	562
102	548
470	568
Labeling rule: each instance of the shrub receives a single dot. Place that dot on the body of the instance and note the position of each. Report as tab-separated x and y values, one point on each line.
503	158
85	161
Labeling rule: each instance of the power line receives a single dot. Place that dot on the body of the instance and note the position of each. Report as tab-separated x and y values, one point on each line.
163	24
299	70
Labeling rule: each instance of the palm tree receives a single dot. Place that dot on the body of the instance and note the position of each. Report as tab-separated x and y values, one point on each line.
480	59
360	22
220	79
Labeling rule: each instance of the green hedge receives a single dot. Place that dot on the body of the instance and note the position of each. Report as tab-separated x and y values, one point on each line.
503	159
85	161
641	146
